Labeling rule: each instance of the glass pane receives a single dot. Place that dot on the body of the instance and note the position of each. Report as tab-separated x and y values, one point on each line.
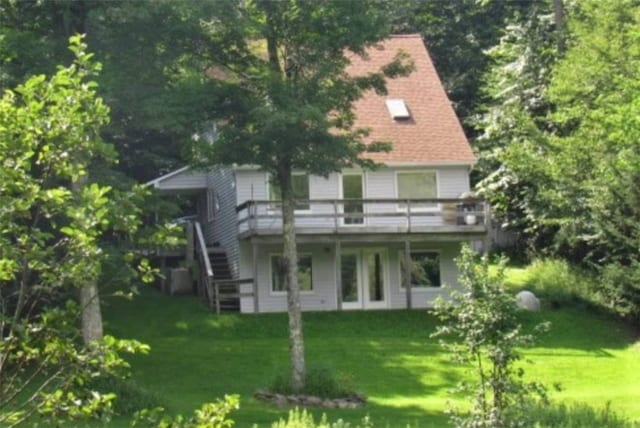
352	189
349	275
305	273
300	185
376	285
274	192
417	185
277	274
425	269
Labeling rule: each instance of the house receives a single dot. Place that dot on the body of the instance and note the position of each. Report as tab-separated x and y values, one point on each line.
364	237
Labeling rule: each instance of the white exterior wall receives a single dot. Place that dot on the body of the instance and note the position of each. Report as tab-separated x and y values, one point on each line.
324	295
322	298
254	185
223	228
186	180
423	297
378	184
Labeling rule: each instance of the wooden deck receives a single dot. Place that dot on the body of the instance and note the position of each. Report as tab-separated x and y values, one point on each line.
366	220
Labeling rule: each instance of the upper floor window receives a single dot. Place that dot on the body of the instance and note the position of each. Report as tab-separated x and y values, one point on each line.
305	277
417	185
300	185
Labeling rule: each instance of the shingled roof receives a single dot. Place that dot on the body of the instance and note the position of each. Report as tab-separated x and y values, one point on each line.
432	134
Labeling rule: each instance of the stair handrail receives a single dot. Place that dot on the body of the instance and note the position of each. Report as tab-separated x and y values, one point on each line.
203	249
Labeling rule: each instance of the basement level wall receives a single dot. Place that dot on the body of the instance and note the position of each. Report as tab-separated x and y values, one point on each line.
324	295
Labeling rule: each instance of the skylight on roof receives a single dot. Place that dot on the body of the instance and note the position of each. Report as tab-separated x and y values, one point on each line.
397	109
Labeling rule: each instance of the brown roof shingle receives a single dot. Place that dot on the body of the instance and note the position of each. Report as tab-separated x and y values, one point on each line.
433	134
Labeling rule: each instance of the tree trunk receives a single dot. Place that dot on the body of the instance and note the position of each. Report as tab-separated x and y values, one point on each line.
559	18
290	268
91	315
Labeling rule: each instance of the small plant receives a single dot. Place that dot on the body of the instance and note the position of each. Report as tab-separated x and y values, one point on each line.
320	381
129	396
209	415
302	419
574	416
482	323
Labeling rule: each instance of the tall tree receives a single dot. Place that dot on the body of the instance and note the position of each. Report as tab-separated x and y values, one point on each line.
458	34
596	161
514	125
49	244
153	77
290	104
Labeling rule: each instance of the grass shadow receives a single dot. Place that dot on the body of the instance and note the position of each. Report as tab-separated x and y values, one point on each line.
197	356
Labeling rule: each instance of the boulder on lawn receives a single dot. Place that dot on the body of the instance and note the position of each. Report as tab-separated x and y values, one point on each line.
528	301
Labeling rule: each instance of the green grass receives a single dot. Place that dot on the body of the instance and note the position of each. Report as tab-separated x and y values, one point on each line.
196	357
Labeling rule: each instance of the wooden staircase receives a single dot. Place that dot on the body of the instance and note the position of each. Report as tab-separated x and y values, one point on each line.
218	286
226	290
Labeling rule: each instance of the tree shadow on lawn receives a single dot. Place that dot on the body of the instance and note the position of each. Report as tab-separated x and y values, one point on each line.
197	356
574	328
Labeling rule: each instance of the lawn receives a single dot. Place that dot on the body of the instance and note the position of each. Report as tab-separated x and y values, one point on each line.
196	357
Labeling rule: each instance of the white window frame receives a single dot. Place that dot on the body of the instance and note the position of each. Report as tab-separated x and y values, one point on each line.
434	208
415	287
272	208
398	109
363	176
273	292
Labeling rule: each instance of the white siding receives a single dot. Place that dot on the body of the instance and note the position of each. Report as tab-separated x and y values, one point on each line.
423	297
322	298
382	183
224	227
324	295
185	180
378	184
453	181
253	185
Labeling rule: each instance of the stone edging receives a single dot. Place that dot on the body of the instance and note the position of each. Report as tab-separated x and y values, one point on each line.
351	402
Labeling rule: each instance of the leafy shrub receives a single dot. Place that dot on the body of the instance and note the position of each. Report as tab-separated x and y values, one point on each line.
320	381
559	284
620	291
575	416
130	397
485	334
209	415
302	419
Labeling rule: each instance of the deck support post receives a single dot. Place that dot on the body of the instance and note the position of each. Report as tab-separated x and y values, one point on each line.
407	271
189	252
254	248
487	224
338	267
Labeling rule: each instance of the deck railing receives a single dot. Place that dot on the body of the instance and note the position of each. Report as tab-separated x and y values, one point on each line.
387	214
